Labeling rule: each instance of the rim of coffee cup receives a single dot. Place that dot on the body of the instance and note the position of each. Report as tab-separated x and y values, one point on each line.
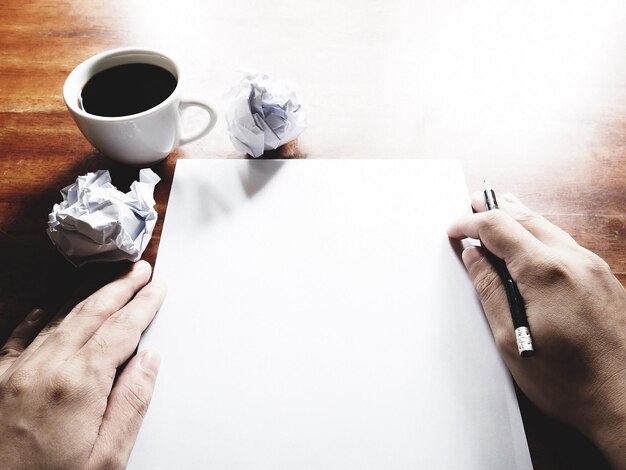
84	71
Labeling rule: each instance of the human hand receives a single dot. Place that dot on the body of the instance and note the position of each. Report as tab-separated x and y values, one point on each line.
577	315
60	407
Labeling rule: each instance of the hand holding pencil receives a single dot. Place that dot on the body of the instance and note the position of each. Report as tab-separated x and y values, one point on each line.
516	302
576	309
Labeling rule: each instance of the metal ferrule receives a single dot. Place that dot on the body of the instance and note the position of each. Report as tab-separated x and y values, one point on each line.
524	341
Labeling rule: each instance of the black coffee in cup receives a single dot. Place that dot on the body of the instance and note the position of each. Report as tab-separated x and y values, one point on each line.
127	89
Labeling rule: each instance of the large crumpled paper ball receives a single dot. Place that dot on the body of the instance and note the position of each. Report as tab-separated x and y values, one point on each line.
96	223
263	114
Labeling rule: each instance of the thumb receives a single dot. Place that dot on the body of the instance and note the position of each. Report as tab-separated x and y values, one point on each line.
493	297
127	405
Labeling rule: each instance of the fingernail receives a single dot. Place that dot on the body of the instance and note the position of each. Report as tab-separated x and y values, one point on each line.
35	315
477	196
150	361
141	266
478	201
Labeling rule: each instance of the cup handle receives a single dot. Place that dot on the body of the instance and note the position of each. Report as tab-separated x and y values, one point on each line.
190	137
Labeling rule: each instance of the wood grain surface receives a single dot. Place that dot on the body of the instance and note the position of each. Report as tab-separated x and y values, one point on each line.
531	95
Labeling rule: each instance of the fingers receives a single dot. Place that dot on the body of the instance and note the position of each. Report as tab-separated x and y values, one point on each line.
535	223
492	295
478	201
501	235
85	319
118	336
127	405
83	292
540	227
20	339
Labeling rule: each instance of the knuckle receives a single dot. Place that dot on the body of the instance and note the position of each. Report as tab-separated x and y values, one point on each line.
493	219
597	264
63	386
123	322
553	271
93	305
48	330
152	290
548	272
99	343
487	285
60	336
528	218
17	383
9	352
128	288
138	398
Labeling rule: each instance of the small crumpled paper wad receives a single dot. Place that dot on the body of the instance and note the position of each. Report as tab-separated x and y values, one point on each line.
263	114
97	223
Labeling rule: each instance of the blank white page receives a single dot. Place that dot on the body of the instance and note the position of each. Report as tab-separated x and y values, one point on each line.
319	318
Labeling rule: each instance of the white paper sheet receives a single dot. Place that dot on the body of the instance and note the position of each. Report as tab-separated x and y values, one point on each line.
319	318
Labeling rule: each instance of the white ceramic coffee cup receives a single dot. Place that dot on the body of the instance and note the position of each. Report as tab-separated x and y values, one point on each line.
141	138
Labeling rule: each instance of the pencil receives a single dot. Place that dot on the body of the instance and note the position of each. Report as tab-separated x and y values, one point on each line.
516	302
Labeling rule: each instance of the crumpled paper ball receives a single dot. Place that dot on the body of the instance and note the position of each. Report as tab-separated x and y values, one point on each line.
263	114
97	223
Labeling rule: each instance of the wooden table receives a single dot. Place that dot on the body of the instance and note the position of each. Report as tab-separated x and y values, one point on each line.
531	95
